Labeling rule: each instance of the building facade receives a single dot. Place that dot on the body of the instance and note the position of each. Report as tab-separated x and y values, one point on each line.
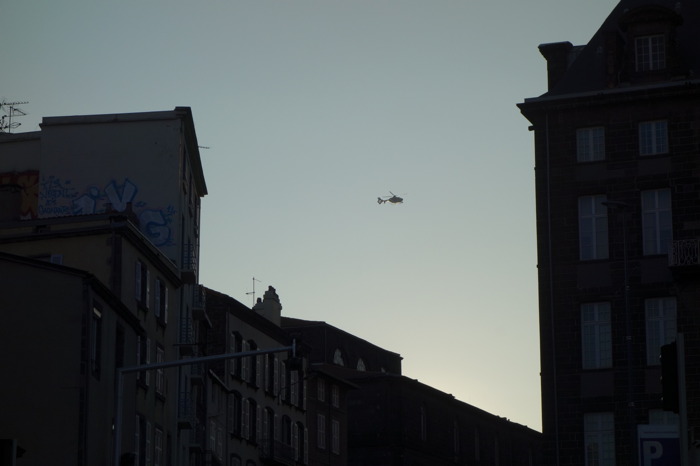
366	413
617	152
118	196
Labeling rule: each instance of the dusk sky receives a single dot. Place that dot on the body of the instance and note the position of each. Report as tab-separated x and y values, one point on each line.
310	110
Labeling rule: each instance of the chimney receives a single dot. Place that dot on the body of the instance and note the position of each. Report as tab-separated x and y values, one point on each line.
270	307
557	55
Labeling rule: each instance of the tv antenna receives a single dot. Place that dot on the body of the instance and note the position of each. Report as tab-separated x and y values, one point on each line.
253	292
11	110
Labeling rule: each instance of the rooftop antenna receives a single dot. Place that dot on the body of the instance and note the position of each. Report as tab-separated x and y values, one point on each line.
10	110
253	292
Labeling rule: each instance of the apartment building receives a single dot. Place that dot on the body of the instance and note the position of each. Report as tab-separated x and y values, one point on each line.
617	158
368	413
118	196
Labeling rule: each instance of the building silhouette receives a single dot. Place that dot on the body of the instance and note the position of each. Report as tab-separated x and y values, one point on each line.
617	152
99	242
117	197
393	419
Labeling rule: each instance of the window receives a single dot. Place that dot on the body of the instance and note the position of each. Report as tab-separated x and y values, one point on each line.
656	221
234	413
96	343
335	437
294	388
321	431
321	389
592	227
653	137
235	346
590	144
660	417
161	302
286	430
158	447
338	358
596	336
235	460
299	440
142	284
335	396
599	438
361	365
650	53
661	326
148	447
160	374
143	356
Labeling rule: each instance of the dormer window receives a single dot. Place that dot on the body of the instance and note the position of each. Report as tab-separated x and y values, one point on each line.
650	53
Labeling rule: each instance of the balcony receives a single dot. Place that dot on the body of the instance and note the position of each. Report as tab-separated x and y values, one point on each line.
276	453
186	416
187	342
684	253
199	306
189	263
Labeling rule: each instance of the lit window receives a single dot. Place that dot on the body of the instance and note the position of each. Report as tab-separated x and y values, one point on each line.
661	326
650	53
653	137
593	227
656	221
599	438
590	144
596	336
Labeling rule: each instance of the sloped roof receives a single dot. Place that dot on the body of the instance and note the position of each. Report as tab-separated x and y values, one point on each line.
587	72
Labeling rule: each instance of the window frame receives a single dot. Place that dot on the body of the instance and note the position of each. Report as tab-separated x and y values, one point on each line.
657	221
596	336
590	144
599	427
662	327
653	137
650	52
593	234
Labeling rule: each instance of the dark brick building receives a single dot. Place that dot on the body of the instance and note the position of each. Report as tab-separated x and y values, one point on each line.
617	171
392	419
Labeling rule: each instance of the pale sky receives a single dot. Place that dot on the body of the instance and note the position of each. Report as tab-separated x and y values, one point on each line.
311	109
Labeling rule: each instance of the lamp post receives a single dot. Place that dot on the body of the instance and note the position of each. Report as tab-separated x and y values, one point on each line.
121	371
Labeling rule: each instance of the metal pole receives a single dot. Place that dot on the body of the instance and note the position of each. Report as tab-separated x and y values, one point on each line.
682	401
166	364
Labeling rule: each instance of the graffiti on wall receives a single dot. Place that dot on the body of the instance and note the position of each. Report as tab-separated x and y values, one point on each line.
61	198
28	182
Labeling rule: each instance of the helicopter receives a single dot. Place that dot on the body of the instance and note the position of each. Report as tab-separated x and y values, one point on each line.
394	199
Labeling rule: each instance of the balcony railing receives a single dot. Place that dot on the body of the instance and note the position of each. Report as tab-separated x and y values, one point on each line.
685	252
189	262
186	414
275	452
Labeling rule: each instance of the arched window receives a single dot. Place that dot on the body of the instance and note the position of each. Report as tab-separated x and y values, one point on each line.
361	365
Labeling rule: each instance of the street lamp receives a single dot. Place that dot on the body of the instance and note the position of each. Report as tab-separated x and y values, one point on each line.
162	365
